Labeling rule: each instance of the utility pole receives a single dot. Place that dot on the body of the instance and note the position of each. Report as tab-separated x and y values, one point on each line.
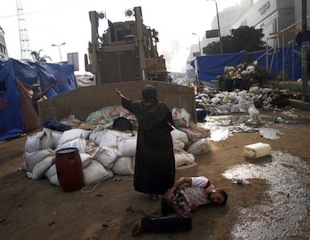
59	45
304	50
218	25
199	44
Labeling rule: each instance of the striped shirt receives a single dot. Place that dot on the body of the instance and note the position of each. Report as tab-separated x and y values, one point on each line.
197	193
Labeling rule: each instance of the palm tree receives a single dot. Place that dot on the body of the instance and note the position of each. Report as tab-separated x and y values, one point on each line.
38	58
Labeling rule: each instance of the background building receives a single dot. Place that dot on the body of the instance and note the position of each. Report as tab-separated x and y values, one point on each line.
297	7
3	50
279	19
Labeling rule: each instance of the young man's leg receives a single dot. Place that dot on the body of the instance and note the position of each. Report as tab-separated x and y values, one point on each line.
172	223
166	208
180	219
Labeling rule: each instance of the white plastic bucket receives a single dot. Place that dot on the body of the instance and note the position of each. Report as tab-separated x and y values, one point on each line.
257	150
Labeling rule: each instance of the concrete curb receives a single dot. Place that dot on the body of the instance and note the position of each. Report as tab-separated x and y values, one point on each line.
300	104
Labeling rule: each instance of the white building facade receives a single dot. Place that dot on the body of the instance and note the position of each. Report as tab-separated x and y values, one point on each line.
3	49
272	16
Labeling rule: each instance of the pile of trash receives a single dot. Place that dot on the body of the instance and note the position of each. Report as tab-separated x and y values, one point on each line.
217	102
105	149
243	77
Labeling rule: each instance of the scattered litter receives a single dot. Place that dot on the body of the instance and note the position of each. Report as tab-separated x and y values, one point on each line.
288	195
269	133
240	181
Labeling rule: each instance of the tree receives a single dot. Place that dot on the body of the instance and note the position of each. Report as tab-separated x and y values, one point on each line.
38	58
243	38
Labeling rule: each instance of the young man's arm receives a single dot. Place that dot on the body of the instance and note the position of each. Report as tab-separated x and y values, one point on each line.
181	181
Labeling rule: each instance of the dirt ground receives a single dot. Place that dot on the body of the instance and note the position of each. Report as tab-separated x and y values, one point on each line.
38	210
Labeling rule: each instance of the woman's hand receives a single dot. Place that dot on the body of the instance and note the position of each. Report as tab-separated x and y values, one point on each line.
170	196
118	93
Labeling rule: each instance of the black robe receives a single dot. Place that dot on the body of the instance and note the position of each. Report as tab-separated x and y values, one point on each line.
154	161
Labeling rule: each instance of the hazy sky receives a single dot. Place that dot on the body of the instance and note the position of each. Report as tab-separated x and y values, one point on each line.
58	21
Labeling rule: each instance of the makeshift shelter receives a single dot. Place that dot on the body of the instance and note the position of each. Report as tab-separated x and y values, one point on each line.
211	66
17	115
278	61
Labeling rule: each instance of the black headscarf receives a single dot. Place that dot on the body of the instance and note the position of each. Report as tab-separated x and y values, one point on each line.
149	112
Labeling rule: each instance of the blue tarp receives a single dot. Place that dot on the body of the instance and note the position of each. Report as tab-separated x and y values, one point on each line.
292	64
17	115
213	65
11	122
210	66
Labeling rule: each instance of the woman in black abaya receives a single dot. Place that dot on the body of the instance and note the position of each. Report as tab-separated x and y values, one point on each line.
154	163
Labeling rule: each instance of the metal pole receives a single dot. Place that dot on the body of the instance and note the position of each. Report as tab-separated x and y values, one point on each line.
283	57
304	49
219	27
199	46
58	46
59	53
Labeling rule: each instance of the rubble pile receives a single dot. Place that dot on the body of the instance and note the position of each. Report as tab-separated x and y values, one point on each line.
243	77
217	102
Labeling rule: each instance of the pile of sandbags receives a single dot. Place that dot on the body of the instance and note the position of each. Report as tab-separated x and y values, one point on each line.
104	153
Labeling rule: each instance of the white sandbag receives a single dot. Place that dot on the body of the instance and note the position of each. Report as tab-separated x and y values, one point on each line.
71	134
55	136
106	156
176	134
39	170
200	147
178	145
95	172
35	157
106	137
33	143
54	180
38	141
79	143
51	171
183	158
123	166
95	136
85	159
196	132
127	146
110	139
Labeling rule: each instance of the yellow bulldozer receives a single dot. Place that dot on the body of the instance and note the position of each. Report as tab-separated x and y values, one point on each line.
126	51
124	57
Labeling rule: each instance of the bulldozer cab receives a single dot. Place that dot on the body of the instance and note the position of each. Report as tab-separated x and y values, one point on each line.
127	51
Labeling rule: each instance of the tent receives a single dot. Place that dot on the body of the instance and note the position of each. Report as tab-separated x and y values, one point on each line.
211	66
17	115
281	59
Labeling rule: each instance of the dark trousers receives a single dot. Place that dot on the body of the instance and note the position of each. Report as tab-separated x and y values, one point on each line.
176	217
